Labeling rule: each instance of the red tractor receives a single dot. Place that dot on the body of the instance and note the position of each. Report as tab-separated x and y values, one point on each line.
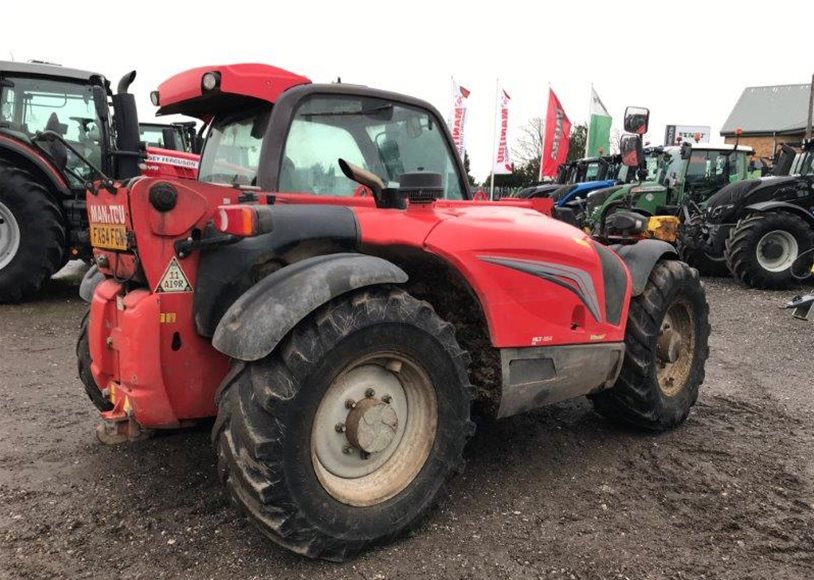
56	134
343	307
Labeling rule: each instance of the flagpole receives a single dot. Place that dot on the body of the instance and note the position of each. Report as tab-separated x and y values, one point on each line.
494	142
588	134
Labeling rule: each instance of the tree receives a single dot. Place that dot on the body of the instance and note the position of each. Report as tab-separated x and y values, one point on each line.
529	145
579	139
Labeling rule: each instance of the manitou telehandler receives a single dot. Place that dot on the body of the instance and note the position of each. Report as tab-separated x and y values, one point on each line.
343	307
56	134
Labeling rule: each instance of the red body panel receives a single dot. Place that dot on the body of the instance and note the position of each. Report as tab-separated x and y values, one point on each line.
261	81
169	164
522	310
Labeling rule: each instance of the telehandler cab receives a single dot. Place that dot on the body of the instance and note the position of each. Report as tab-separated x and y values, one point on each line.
340	304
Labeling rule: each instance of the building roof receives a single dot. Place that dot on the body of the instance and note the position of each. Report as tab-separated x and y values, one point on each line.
44	69
768	110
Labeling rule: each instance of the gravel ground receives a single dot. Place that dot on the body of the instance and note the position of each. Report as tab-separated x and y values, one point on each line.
557	493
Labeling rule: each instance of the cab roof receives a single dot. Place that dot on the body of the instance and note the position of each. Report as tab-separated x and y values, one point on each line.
45	69
240	85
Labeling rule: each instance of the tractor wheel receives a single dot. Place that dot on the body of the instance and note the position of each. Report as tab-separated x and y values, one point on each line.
762	248
345	435
83	363
666	347
32	235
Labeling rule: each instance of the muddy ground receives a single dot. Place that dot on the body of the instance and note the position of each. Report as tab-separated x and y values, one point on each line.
558	493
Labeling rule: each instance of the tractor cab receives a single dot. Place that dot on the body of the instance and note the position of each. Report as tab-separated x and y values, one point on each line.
370	129
173	136
35	98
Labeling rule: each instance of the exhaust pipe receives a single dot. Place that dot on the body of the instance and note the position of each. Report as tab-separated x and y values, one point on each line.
129	152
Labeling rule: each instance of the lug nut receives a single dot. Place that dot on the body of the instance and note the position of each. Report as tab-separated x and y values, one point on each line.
369	393
347	449
350	404
387	399
340	427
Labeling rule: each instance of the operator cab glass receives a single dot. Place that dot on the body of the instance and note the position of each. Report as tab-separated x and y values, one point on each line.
710	170
29	105
232	151
154	136
386	138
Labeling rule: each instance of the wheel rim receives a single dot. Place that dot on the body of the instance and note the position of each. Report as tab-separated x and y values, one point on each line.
9	236
374	429
777	251
675	348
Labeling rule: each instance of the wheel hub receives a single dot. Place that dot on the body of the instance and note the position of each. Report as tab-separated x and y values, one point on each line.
374	428
777	251
674	349
9	236
669	346
371	425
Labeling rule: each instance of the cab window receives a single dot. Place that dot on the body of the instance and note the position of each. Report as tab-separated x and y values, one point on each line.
384	137
232	151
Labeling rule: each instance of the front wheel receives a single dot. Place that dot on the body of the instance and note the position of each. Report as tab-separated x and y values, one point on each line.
763	248
666	348
344	436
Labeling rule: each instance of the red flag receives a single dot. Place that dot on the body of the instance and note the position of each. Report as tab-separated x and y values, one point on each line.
557	137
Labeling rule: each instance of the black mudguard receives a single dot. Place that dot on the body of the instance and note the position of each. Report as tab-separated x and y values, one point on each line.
641	257
89	283
764	206
260	318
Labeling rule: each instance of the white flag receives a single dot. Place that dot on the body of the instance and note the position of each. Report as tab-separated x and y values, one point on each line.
457	121
503	161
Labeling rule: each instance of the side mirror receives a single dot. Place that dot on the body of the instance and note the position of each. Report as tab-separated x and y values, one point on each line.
630	146
686	150
636	120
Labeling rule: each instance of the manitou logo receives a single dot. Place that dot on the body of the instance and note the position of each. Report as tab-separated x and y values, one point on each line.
107	214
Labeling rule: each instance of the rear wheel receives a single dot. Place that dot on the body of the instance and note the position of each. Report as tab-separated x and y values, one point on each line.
32	235
666	348
344	436
83	362
763	247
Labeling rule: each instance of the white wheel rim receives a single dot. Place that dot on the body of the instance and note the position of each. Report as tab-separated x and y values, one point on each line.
398	425
777	251
9	236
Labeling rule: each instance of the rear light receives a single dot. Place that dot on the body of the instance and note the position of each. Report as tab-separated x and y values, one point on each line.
154	98
238	220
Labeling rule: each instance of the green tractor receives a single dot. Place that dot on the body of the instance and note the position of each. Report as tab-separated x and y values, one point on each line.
670	174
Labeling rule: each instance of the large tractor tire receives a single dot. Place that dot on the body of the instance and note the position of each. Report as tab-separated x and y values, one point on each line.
83	366
345	435
32	235
763	247
666	348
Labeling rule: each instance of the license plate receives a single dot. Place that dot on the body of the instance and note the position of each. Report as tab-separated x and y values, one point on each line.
110	237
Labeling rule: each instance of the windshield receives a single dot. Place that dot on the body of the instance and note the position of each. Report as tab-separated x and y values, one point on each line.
154	136
29	105
387	138
232	151
807	165
714	169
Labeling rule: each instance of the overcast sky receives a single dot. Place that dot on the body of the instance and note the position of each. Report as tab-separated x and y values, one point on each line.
687	61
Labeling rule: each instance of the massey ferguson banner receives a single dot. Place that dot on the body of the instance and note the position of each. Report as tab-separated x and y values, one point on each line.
557	137
503	161
458	119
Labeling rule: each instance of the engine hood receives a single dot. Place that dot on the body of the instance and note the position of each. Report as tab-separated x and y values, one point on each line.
730	200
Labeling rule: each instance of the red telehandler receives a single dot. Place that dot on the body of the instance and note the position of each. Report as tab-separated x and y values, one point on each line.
340	304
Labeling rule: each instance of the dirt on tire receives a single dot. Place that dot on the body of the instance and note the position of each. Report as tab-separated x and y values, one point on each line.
555	493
